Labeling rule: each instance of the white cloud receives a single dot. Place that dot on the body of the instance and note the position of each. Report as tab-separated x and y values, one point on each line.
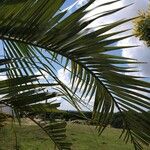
44	73
81	3
63	76
142	53
2	77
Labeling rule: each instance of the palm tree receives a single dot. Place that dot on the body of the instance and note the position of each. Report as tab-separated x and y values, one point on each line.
38	37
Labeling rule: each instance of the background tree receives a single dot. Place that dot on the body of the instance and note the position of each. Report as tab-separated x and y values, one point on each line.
142	27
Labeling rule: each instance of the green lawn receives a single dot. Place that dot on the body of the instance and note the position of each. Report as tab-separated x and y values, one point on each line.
30	137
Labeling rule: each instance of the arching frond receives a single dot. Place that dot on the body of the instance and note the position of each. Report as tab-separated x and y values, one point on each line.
24	95
29	27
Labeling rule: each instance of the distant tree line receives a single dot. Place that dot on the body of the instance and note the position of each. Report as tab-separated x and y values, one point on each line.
116	121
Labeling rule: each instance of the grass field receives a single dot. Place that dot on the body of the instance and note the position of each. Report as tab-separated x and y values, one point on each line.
84	137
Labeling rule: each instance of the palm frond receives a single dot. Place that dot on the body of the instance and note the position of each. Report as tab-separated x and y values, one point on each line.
57	132
30	26
24	95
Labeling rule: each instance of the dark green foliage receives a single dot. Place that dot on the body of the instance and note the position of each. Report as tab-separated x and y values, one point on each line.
117	121
69	115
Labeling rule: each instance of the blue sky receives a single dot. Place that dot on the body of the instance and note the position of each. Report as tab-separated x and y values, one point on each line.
142	53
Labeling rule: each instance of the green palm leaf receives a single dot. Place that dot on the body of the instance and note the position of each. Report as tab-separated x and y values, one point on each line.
42	33
24	94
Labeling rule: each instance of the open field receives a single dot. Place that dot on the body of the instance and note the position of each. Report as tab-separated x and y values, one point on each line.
84	137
